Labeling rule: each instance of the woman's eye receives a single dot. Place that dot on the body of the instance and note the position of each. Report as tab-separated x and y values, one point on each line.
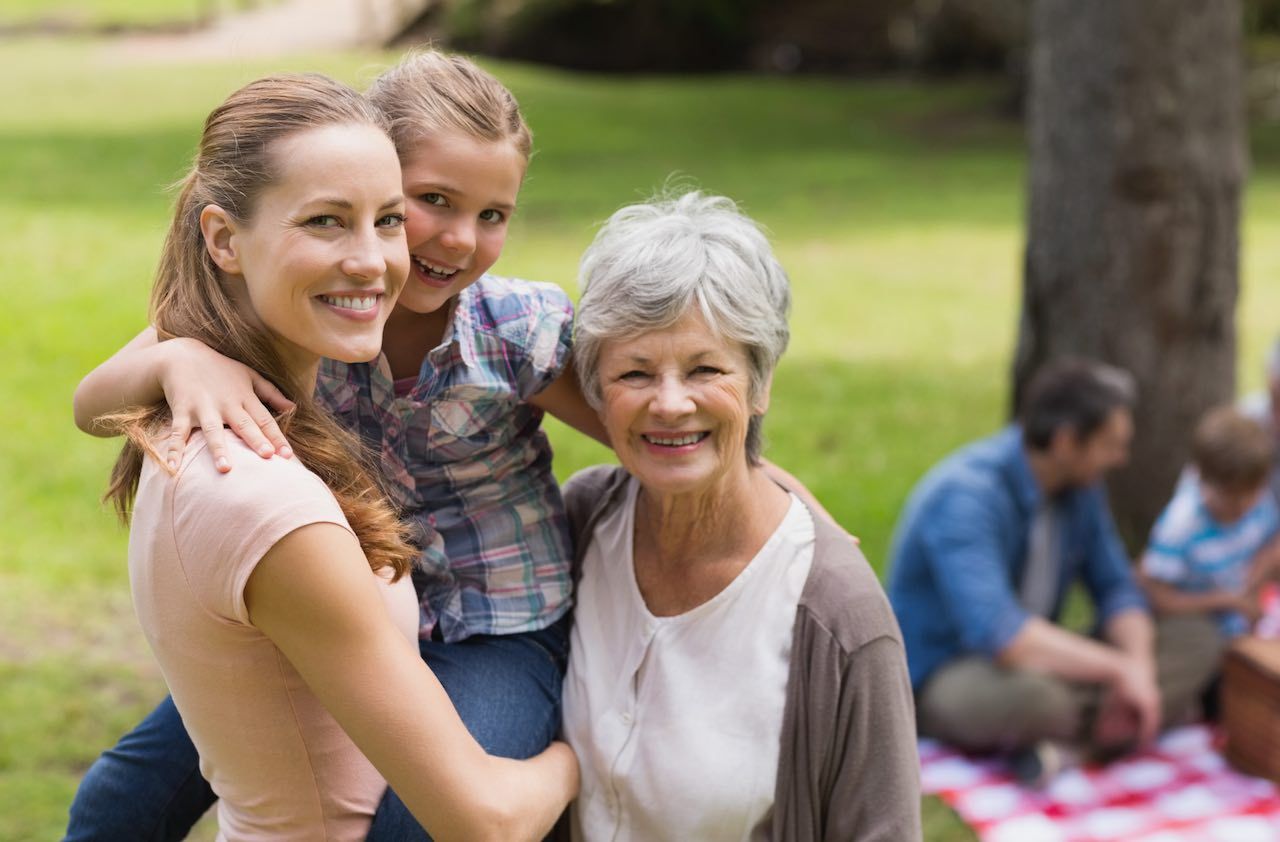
391	220
634	374
491	215
432	198
706	370
324	221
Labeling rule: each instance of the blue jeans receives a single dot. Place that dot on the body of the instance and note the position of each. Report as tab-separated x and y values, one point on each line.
506	689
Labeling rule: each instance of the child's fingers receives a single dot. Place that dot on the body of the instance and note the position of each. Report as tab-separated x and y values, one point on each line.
216	439
266	423
177	444
249	429
273	397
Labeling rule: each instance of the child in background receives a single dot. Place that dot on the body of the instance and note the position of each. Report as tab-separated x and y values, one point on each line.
1213	545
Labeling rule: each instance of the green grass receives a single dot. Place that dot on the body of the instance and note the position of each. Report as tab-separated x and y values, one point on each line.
895	206
92	14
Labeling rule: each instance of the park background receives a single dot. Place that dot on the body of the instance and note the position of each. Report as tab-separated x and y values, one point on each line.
893	185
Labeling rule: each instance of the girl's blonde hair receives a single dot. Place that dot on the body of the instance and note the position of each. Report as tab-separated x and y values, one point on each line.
190	298
430	91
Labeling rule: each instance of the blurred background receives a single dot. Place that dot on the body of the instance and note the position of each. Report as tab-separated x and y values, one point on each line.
959	189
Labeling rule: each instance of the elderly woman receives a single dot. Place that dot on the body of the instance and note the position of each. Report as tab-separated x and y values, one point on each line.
736	672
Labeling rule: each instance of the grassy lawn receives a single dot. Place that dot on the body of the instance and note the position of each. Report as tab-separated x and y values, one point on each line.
112	14
895	206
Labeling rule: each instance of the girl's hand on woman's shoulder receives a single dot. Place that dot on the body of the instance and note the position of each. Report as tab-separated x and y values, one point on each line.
211	392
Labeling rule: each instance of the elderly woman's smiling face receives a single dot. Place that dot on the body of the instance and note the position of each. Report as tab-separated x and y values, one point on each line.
676	404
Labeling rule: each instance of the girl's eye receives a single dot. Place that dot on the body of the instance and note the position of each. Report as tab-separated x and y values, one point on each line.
391	220
432	198
324	221
494	216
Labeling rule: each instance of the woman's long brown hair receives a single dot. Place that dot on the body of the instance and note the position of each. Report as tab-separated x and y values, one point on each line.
190	298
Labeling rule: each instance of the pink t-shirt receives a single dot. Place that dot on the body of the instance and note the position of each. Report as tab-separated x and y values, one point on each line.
282	767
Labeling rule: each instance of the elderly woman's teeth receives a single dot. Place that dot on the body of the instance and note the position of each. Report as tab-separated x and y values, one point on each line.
678	441
350	302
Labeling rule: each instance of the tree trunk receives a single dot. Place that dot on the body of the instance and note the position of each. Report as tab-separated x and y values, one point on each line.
1138	157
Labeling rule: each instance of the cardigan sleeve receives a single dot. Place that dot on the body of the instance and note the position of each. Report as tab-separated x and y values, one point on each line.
875	788
849	767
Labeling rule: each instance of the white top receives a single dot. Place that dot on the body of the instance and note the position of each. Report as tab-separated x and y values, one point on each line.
677	721
281	765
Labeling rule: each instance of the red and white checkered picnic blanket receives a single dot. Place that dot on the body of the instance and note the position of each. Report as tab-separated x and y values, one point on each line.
1180	790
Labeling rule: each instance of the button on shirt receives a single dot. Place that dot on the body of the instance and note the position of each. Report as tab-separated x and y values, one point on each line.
961	544
677	721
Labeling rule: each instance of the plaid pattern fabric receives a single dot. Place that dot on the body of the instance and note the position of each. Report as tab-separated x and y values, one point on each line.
464	458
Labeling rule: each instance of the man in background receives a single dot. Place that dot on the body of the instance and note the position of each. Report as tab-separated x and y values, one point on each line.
984	554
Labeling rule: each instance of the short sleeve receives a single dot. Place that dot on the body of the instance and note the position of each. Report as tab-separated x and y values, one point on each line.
1165	558
1268	516
225	523
547	341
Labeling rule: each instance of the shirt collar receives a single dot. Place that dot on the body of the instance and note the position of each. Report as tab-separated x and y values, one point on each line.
1019	468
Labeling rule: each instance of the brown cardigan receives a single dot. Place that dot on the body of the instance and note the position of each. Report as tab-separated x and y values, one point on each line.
848	768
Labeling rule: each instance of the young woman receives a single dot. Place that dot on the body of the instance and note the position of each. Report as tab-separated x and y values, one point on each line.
276	603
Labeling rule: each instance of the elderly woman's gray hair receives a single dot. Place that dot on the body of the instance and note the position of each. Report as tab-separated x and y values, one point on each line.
652	263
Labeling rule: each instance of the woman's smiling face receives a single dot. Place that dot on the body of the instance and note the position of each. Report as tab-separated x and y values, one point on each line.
323	256
676	405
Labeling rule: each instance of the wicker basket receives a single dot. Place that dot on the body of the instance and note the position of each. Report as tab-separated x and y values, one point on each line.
1251	706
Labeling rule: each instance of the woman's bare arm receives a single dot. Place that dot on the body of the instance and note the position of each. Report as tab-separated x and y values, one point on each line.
204	390
313	596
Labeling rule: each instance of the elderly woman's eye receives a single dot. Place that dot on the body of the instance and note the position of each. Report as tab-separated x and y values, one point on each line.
634	374
706	370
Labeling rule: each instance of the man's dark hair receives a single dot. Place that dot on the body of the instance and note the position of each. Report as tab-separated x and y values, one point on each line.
1073	393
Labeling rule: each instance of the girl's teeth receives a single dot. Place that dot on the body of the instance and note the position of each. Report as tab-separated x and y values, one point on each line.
434	270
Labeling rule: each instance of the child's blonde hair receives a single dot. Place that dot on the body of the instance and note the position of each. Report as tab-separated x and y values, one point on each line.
1231	450
430	91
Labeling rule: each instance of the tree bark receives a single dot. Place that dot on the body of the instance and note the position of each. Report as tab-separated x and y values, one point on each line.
1138	156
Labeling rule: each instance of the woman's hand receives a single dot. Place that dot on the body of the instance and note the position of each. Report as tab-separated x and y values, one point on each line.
204	389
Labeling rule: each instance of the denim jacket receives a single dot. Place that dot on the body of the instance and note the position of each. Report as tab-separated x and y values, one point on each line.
958	552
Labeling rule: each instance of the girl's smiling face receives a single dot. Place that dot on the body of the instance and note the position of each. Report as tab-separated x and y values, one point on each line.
461	192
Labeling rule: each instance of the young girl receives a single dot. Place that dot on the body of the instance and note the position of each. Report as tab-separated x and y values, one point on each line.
276	603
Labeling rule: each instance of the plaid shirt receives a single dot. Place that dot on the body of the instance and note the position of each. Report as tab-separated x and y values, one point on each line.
465	460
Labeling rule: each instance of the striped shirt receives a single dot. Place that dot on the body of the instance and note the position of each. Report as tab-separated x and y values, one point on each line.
465	460
1193	552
